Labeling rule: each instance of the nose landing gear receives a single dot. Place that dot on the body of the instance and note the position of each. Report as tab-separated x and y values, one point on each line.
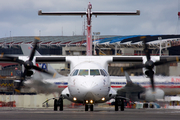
87	106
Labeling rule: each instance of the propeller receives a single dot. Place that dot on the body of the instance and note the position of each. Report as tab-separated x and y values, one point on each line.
149	64
28	65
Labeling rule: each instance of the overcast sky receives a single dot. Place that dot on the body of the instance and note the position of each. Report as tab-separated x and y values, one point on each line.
20	17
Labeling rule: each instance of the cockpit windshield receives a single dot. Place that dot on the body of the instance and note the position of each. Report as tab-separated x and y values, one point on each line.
83	72
94	72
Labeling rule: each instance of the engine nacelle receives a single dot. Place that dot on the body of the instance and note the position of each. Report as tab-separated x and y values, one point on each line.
150	95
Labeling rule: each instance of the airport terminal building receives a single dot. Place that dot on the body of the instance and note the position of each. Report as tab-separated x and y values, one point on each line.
102	45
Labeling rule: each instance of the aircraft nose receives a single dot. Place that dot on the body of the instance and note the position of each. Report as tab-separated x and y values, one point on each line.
91	91
90	86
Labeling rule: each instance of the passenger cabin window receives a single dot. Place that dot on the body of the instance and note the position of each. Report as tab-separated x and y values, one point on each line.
103	72
94	72
83	72
75	73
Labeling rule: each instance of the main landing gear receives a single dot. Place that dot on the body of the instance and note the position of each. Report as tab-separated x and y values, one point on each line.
119	102
87	106
58	103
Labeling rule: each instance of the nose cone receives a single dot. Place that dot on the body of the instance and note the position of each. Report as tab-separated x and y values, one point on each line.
90	91
94	90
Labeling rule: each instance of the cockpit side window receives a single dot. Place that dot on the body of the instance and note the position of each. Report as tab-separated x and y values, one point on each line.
83	72
94	72
103	72
72	73
75	72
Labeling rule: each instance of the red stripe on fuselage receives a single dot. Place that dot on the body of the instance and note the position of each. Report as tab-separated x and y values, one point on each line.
62	86
161	86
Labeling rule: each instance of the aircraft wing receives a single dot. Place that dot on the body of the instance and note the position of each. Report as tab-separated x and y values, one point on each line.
50	59
138	59
106	59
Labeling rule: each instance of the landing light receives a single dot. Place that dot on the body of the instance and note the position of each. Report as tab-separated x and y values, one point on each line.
74	98
86	101
91	101
103	99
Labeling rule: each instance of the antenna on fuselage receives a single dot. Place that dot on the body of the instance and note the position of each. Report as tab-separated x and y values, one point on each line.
89	14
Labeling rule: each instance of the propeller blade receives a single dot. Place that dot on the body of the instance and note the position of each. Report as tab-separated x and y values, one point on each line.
166	61
146	50
18	88
41	70
151	76
14	59
132	67
34	49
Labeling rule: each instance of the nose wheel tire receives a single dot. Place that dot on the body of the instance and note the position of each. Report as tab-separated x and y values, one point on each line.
91	107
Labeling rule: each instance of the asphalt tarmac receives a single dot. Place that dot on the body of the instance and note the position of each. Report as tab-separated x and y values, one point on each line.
99	113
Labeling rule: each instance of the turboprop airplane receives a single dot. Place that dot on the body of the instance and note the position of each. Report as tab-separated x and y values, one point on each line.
89	82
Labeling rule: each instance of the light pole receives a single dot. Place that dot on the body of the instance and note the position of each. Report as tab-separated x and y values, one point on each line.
160	38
